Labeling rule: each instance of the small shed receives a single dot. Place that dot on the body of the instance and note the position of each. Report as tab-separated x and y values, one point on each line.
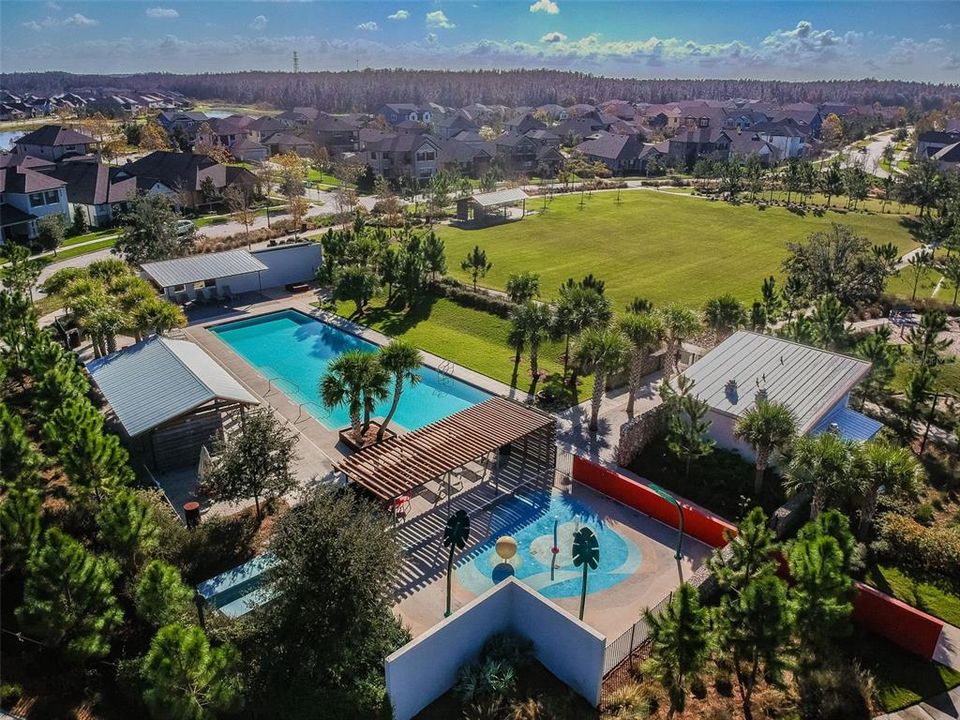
169	397
181	278
488	205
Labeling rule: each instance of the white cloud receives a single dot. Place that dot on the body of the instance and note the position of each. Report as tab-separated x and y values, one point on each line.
160	12
75	20
369	26
952	62
432	40
553	37
54	6
547	6
437	19
258	23
399	15
948	26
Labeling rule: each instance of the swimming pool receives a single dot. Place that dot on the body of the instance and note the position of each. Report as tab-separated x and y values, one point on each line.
293	350
529	518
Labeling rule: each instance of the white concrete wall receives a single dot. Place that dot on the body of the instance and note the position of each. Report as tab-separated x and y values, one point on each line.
425	668
722	430
289	263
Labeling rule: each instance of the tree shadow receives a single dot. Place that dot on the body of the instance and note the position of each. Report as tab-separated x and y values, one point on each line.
396	320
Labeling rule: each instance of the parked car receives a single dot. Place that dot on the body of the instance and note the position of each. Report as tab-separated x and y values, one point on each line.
184	226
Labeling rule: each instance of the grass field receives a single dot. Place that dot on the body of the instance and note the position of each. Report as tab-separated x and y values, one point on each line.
923	595
660	246
87	237
468	337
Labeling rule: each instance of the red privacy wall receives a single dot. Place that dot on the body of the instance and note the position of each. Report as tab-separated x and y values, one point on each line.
698	523
911	629
898	622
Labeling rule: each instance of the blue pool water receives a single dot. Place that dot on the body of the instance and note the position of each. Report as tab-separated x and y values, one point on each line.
529	518
296	349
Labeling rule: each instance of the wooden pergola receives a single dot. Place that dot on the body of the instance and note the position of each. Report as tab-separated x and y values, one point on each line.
402	464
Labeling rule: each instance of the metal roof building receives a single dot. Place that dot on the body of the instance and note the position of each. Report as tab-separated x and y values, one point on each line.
198	268
481	205
806	379
169	393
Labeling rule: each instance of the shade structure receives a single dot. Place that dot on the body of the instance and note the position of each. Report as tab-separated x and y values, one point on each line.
397	466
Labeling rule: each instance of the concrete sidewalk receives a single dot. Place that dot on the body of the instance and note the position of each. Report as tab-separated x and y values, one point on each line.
945	705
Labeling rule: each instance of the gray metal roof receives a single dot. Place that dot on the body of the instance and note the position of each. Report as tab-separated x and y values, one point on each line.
159	379
194	268
500	197
850	424
807	380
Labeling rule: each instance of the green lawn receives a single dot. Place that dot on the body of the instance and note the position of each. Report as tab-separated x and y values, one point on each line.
922	595
86	237
469	337
902	679
78	250
657	245
316	176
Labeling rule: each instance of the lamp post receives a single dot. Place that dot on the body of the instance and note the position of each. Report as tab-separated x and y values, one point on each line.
670	498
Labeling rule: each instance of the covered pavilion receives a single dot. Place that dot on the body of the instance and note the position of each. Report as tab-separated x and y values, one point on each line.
485	206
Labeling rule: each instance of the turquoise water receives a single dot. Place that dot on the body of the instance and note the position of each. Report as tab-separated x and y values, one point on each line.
529	518
296	349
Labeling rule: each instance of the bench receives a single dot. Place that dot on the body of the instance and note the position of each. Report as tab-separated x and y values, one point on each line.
298	287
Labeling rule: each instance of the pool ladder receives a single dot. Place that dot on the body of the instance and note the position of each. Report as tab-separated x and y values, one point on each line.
445	372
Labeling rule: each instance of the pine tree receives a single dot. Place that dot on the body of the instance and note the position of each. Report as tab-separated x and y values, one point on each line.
19	526
187	679
69	599
79	221
751	554
160	595
127	527
687	425
754	627
822	590
680	644
19	460
94	459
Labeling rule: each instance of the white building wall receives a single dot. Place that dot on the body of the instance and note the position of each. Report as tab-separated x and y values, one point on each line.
289	263
722	430
425	668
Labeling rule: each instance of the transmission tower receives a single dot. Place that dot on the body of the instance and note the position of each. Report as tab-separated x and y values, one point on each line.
296	62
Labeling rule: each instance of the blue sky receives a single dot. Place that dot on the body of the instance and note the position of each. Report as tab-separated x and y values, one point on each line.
769	40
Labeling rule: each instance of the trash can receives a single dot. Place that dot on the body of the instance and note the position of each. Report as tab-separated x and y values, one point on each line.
191	511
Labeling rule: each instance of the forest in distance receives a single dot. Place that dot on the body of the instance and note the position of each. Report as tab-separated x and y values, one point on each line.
366	90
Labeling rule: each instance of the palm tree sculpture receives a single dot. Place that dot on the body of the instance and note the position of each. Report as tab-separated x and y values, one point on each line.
601	351
645	332
401	360
586	553
455	536
766	427
354	379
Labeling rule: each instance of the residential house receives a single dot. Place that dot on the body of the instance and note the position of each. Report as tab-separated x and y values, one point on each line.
395	113
948	158
100	191
186	122
552	111
814	385
54	142
787	135
931	142
226	131
621	109
26	196
696	140
281	143
620	153
575	130
264	126
580	109
469	159
452	125
804	117
544	137
744	143
524	123
335	134
523	154
246	149
400	155
298	117
192	180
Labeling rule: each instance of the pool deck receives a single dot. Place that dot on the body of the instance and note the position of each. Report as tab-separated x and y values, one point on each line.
318	447
611	611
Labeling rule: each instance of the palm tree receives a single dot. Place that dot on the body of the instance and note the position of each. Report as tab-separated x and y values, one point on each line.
645	332
679	323
767	427
517	338
724	314
533	320
356	380
586	553
601	351
820	465
828	323
455	535
579	308
402	360
885	468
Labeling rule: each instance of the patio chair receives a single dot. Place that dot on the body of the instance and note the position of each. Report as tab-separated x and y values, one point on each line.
182	299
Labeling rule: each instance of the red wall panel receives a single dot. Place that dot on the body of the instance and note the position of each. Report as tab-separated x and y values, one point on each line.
900	623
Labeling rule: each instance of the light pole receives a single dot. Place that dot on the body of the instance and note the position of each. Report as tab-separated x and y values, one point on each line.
670	498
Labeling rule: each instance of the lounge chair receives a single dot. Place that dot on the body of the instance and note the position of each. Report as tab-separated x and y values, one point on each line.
200	297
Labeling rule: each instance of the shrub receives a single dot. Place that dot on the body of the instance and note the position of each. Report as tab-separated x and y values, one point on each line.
934	550
485	680
477	299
